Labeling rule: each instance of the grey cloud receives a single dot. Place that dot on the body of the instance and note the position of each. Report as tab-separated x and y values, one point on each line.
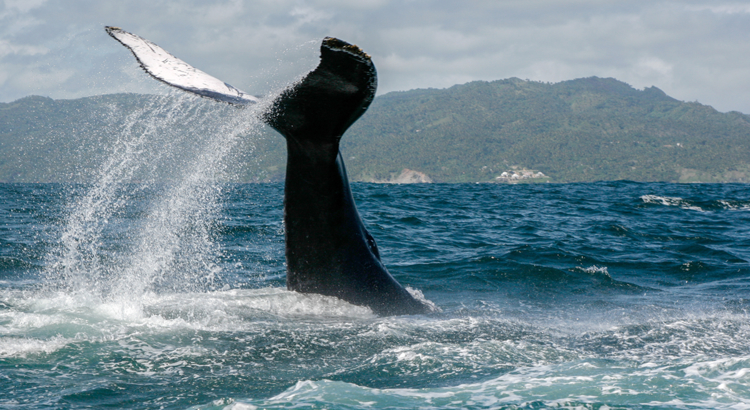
693	50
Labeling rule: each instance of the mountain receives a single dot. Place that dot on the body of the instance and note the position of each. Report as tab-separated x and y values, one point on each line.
580	130
46	140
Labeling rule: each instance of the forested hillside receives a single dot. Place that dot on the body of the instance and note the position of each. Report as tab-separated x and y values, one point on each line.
579	130
46	140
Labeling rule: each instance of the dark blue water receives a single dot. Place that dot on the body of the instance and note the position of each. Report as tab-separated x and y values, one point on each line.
603	295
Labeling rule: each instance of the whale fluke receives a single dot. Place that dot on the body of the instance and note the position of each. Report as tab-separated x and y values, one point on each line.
330	98
328	248
169	69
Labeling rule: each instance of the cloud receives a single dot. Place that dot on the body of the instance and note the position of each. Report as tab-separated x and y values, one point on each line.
8	48
693	50
41	78
22	6
736	8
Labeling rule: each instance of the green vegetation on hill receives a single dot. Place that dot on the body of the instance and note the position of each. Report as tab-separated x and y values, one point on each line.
46	140
580	130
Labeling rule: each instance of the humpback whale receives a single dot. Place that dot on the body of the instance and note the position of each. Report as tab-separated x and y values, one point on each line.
328	249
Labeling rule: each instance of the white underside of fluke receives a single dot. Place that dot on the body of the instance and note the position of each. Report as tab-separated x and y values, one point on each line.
169	69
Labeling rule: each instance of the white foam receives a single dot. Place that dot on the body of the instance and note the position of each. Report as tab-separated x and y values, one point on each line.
417	294
558	386
647	362
596	270
670	201
240	406
734	205
210	311
23	347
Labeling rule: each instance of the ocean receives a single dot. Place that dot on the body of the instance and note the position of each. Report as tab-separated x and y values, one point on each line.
129	292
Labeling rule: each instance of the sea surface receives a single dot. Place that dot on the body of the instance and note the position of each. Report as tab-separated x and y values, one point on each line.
132	293
602	295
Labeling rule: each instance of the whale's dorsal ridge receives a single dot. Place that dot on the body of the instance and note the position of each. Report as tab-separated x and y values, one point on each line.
169	69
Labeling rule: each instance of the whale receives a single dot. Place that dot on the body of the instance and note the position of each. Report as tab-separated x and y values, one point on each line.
327	246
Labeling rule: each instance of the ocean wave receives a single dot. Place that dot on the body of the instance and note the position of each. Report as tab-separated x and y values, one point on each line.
398	362
734	205
17	347
703	205
587	384
671	201
572	295
209	311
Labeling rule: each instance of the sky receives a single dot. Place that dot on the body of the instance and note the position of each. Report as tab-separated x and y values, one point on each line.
692	50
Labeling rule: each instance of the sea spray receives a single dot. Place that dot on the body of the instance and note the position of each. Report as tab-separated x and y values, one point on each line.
175	246
158	193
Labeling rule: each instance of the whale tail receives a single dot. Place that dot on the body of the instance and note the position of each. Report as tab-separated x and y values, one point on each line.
323	104
330	98
328	248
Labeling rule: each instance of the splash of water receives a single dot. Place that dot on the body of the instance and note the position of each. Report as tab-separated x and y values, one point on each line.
147	222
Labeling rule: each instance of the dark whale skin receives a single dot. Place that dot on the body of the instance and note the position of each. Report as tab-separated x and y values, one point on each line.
328	248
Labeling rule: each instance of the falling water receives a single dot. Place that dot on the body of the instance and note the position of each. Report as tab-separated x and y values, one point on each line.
166	166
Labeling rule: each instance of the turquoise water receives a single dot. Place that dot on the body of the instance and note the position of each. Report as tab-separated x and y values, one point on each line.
133	293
